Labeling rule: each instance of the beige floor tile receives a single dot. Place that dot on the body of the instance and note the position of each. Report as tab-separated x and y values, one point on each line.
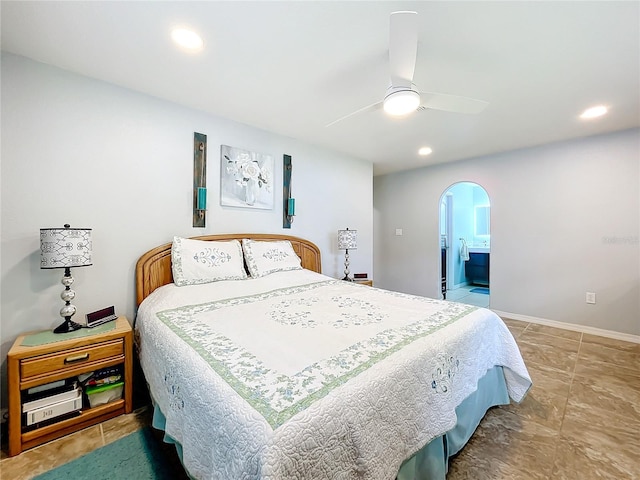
515	323
601	426
617	400
543	339
606	376
555	332
540	406
611	342
598	443
576	460
477	466
627	362
550	379
548	351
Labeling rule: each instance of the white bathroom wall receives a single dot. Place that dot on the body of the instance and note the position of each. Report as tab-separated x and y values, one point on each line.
83	152
462	227
565	220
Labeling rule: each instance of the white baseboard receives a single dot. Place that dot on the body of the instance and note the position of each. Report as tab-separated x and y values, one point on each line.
627	337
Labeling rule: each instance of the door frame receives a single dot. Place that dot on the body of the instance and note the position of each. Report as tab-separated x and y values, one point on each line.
448	199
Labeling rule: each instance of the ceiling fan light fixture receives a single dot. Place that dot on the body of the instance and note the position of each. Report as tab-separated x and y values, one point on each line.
401	101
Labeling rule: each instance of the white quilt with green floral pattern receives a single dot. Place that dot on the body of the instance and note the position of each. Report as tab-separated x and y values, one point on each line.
296	375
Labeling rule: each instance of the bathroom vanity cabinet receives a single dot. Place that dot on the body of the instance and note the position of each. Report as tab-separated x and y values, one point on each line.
476	269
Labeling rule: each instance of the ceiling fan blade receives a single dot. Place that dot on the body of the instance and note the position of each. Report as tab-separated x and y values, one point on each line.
452	103
371	108
403	47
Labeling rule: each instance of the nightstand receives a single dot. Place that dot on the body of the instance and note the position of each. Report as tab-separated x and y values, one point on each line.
31	366
367	282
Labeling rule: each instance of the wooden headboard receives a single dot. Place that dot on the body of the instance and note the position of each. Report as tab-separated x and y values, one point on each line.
153	269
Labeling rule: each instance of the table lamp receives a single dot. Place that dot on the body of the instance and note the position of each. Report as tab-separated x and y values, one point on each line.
347	239
65	248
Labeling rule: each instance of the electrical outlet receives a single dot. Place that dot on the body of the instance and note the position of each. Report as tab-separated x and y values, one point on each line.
591	297
398	232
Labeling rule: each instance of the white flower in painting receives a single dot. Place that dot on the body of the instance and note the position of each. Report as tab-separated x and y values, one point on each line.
250	170
244	169
265	178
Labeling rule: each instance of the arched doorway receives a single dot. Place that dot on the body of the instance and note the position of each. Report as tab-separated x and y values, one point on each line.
465	243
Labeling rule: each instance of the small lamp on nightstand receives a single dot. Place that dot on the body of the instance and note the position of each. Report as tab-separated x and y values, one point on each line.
65	248
347	239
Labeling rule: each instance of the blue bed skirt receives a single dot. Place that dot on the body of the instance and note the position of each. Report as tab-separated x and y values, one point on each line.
430	462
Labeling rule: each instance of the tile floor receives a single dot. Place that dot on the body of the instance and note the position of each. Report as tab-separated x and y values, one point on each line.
464	295
580	421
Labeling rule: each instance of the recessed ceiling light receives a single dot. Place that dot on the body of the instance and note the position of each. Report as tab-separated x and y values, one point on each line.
594	112
187	38
424	151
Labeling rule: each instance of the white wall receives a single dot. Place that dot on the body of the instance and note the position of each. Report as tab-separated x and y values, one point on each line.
79	151
565	220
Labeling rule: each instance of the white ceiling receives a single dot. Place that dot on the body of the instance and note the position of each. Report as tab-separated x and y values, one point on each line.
294	67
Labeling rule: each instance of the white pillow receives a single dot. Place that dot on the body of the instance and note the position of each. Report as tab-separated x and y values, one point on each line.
264	257
199	261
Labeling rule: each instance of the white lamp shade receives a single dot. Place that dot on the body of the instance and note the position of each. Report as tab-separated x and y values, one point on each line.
347	239
65	247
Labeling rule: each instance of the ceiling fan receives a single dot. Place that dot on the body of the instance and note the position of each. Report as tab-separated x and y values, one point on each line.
402	97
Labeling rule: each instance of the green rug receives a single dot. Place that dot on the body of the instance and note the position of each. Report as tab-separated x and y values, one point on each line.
141	455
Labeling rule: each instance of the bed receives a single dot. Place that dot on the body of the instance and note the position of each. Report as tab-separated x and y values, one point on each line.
283	372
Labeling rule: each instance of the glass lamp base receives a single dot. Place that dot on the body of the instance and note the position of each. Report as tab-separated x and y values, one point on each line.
67	326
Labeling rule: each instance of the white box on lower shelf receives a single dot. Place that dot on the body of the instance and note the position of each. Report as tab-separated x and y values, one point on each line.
54	410
71	394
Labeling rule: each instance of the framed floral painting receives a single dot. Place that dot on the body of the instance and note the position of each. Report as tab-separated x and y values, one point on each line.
246	178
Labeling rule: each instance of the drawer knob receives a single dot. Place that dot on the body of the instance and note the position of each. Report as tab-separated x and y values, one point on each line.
76	358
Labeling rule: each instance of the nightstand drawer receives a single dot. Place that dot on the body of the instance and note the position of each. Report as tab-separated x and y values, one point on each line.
70	359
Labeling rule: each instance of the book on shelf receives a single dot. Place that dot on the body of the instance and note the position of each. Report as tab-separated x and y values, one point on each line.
104	376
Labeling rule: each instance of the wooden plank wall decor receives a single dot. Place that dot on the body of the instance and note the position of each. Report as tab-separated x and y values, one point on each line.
288	203
199	179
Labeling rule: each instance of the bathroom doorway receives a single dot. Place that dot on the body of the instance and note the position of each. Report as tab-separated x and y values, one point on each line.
465	244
